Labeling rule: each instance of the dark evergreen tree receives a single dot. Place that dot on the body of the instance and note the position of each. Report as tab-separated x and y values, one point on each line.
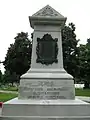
18	57
70	50
0	77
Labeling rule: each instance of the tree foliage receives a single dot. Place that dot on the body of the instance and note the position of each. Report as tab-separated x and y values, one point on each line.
18	57
0	77
84	60
70	49
10	77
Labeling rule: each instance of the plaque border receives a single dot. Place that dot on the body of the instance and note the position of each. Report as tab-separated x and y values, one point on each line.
47	38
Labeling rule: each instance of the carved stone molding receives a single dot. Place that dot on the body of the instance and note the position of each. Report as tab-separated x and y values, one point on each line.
47	12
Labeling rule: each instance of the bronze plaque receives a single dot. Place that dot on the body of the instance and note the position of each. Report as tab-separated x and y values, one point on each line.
47	50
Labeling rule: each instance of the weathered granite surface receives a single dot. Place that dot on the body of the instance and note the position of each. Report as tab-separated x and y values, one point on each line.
45	109
47	89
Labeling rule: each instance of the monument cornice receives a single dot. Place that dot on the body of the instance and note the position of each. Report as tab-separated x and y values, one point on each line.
47	20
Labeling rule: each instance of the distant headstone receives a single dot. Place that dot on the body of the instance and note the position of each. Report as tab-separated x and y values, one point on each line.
46	91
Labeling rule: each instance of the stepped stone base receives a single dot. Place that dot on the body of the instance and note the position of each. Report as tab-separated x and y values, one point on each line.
45	109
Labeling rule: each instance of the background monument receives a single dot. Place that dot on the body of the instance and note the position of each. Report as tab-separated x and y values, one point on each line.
46	91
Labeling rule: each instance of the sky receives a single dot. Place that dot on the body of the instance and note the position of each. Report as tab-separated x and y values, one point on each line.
14	18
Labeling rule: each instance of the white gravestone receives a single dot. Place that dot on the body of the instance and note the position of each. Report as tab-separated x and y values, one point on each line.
46	91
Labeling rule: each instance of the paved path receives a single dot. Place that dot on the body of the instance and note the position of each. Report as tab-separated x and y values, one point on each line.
3	91
87	99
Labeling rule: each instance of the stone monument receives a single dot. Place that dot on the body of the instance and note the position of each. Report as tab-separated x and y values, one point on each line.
46	91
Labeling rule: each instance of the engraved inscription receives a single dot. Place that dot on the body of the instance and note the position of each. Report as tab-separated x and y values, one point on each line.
43	90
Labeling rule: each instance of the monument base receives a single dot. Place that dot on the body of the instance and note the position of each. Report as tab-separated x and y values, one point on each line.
16	109
45	84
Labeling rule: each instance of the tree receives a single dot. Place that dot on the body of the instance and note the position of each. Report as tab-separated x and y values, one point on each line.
70	49
10	78
87	67
0	77
18	57
84	60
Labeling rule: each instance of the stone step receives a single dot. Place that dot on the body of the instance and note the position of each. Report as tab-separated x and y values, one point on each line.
17	107
45	118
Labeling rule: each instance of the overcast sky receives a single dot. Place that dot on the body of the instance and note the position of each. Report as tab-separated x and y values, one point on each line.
14	18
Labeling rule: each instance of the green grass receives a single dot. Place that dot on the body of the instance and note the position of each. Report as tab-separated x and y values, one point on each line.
82	92
7	96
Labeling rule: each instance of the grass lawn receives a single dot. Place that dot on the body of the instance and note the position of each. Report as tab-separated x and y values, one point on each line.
7	96
82	92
